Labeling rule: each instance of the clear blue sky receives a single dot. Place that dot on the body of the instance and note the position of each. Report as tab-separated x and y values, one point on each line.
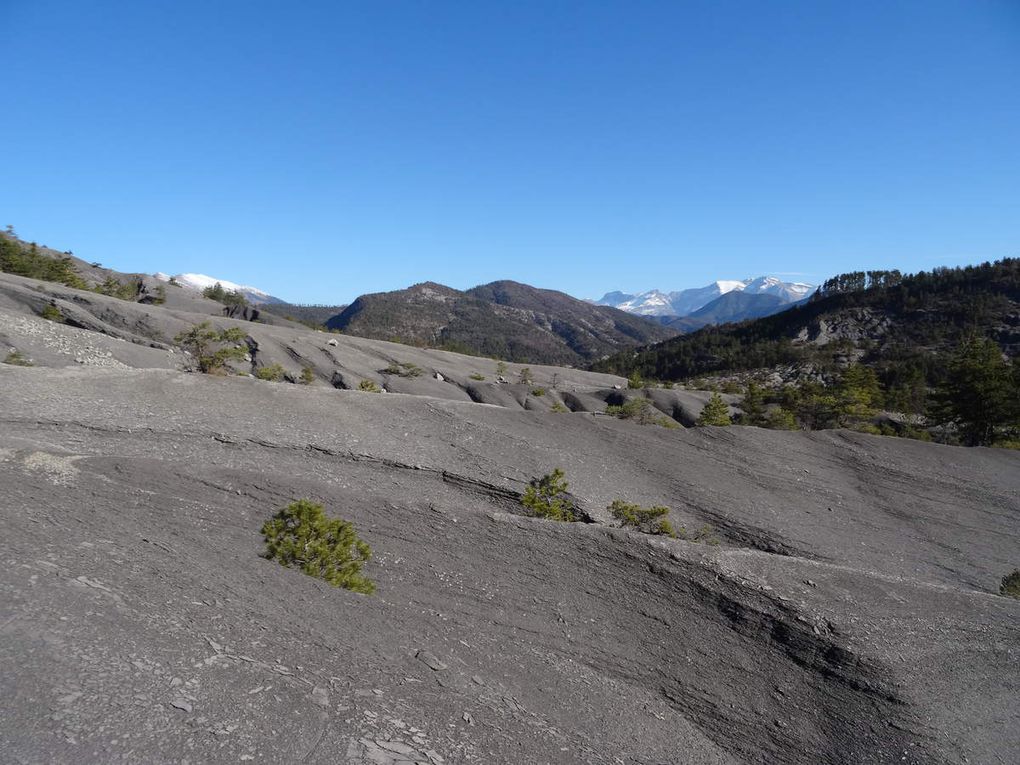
325	149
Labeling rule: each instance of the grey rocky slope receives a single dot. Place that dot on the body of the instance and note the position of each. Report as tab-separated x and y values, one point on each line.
848	614
101	330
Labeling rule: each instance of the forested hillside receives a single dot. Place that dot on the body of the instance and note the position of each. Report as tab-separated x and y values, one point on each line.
904	327
504	319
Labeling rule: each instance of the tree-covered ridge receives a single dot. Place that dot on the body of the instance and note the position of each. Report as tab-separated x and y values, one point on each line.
503	319
905	327
27	260
30	260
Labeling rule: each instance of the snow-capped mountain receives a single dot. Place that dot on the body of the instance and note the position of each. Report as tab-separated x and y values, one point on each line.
685	302
201	282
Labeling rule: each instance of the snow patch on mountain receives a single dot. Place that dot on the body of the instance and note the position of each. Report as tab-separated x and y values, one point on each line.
202	281
686	302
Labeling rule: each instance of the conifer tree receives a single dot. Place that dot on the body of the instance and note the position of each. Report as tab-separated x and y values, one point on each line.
715	412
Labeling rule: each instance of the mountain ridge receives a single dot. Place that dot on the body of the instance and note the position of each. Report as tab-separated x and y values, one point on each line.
505	319
685	302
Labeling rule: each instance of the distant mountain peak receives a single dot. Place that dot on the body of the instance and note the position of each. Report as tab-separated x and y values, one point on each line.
685	302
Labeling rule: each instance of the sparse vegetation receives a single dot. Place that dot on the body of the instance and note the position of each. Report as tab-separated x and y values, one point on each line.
307	376
26	260
368	386
300	535
641	411
524	376
1011	584
476	376
705	534
715	412
51	313
113	287
501	368
538	392
272	372
547	497
634	382
16	358
647	520
558	408
202	340
403	369
227	297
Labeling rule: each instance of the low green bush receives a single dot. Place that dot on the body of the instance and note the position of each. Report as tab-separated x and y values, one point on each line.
51	313
538	392
300	535
272	373
704	534
307	376
1011	584
403	369
477	377
202	340
647	520
641	411
368	386
221	295
112	287
547	497
16	358
558	408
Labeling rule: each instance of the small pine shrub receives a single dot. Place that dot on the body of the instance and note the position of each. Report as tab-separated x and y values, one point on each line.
368	386
634	382
501	368
1011	584
647	520
477	377
547	497
524	376
403	369
112	287
301	535
704	534
202	340
715	412
641	411
307	376
51	313
272	373
558	408
538	392
780	419
16	358
221	295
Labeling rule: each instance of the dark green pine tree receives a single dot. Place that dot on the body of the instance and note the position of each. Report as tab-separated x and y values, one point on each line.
980	393
715	412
